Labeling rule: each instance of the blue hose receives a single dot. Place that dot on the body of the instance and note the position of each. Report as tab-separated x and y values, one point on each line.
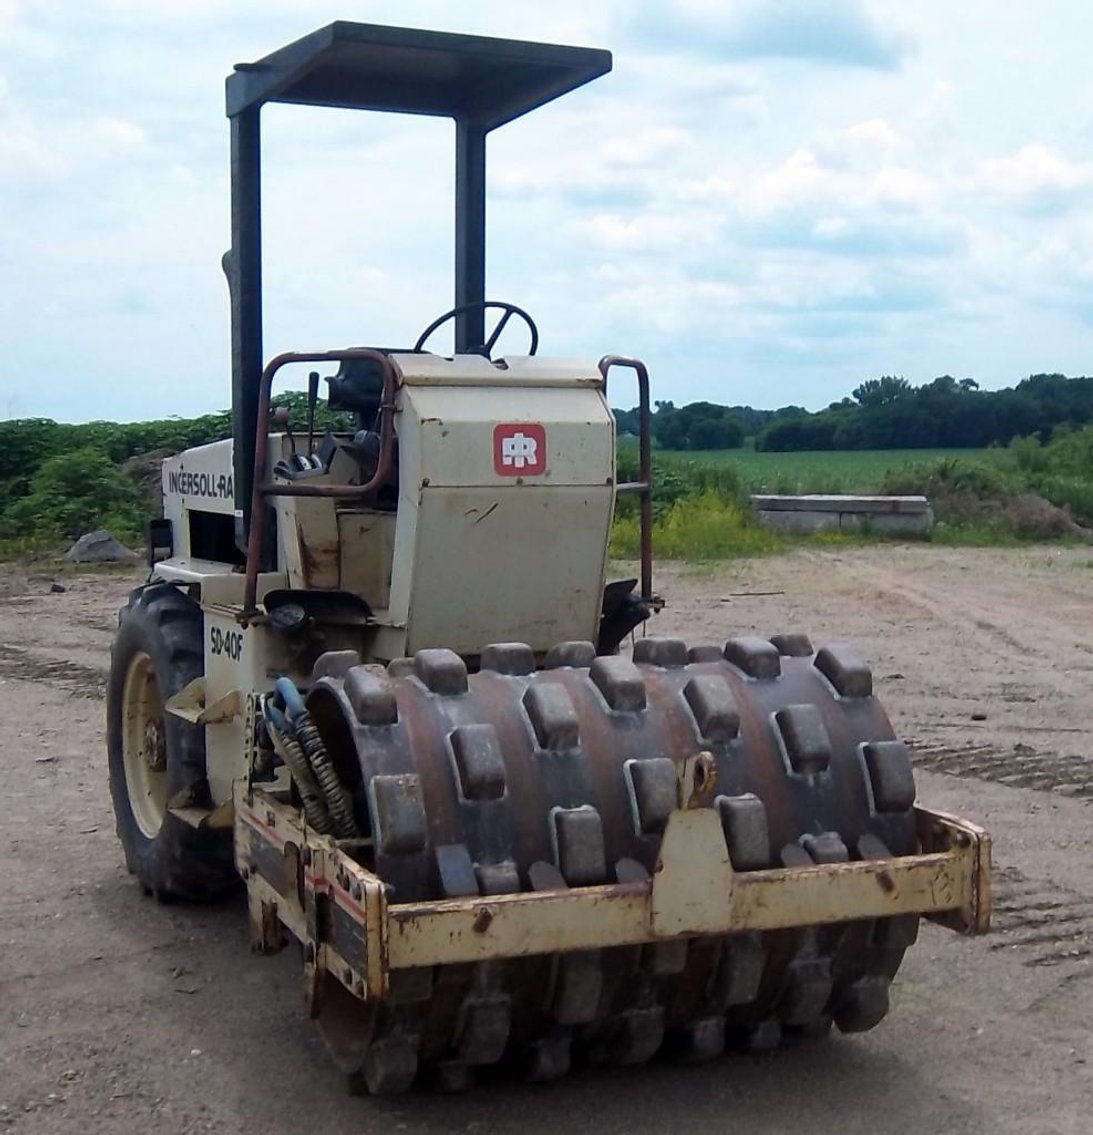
276	718
291	696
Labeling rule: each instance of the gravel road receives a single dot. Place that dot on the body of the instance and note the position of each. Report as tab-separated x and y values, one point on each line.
121	1015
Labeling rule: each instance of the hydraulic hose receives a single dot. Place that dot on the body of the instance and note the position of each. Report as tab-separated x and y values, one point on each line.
290	751
337	802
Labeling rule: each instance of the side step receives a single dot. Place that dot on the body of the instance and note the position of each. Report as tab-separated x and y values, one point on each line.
189	704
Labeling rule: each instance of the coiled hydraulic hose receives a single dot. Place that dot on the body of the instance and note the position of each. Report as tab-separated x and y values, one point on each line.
288	748
338	804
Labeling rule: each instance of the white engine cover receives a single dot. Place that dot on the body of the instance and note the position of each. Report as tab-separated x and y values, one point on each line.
507	491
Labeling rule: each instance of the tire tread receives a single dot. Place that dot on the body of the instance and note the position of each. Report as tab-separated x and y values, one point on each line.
180	862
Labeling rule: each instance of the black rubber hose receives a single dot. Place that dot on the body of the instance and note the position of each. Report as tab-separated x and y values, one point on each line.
338	802
311	795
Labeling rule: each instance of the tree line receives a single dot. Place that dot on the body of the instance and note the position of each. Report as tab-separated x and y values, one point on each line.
703	425
882	413
57	479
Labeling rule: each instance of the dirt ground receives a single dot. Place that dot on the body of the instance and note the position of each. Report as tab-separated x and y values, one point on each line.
121	1015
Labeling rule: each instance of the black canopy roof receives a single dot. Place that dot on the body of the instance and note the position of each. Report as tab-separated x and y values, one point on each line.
476	79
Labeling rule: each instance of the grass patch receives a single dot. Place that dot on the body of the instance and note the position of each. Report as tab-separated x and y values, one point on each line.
49	558
852	471
982	504
29	548
705	526
1025	492
1072	492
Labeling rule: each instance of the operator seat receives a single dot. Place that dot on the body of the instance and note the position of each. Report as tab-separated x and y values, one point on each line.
357	387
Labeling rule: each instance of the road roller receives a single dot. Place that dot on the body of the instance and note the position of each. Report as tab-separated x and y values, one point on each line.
383	681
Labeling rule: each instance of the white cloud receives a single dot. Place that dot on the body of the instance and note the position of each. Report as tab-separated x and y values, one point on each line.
645	233
940	91
9	14
25	154
118	132
716	186
904	185
833	32
829	227
1035	169
876	132
644	147
16	146
797	179
806	183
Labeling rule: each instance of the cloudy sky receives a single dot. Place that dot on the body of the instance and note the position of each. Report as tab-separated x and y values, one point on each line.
767	200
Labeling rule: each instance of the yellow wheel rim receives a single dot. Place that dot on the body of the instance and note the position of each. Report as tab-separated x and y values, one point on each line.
144	745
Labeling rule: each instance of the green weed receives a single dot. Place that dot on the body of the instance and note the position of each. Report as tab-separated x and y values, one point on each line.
851	471
701	527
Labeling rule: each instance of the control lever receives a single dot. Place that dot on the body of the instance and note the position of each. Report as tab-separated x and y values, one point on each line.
312	398
298	464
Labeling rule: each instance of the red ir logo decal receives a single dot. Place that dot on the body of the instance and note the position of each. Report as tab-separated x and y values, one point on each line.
519	449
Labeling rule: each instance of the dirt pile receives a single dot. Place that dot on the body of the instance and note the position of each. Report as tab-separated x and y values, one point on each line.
1027	515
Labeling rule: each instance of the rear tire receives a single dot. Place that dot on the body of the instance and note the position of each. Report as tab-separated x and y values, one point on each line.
154	756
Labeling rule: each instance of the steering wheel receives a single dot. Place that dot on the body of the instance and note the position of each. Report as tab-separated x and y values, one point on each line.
509	309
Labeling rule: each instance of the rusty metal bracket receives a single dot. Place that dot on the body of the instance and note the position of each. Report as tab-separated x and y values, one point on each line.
326	900
942	832
219	818
341	911
949	885
190	704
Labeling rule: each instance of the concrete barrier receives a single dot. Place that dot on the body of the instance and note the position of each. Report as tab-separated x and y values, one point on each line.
895	516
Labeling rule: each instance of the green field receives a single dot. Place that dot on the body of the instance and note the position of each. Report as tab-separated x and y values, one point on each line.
846	471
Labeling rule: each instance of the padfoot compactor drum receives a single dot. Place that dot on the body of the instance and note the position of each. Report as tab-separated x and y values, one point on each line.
382	678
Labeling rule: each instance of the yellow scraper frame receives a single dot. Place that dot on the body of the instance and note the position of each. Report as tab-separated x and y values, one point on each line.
343	915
